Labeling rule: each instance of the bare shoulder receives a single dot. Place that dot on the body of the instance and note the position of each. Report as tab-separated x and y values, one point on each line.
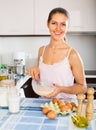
40	51
41	48
74	57
74	54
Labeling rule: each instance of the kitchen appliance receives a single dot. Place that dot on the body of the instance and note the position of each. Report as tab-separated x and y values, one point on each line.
24	87
19	62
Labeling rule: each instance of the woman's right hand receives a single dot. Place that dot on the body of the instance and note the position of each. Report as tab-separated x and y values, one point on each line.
34	72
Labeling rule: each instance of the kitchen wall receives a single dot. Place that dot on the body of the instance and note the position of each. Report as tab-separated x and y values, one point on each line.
24	18
85	44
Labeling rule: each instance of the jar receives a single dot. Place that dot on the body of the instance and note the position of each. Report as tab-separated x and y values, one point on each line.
7	83
5	87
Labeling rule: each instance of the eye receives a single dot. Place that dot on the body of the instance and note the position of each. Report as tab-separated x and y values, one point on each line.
63	24
53	23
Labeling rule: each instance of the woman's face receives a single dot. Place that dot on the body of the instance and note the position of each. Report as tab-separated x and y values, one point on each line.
58	26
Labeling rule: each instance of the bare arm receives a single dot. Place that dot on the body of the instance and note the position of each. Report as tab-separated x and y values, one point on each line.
77	67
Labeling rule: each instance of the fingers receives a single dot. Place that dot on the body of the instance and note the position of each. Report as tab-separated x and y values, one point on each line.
36	76
34	72
30	72
51	95
55	92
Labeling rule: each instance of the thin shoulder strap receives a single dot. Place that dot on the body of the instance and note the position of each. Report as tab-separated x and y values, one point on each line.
43	51
69	52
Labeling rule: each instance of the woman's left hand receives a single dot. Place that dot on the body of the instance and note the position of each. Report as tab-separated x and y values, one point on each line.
55	92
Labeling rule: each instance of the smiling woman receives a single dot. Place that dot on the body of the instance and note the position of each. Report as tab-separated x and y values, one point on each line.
58	63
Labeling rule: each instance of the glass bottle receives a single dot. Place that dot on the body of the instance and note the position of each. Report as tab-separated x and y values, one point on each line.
3	72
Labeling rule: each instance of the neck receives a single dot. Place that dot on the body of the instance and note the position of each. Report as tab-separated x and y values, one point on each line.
57	44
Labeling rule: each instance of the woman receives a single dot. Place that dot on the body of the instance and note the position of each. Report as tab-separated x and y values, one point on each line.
58	63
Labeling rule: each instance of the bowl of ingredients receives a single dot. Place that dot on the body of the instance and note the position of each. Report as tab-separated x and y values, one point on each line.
42	88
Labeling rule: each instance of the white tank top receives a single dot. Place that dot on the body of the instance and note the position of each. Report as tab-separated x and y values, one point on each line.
58	73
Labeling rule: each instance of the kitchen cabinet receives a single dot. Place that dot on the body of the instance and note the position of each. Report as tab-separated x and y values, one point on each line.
82	14
41	10
21	17
16	17
25	17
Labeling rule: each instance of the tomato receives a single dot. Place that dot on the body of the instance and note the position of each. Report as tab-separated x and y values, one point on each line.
51	114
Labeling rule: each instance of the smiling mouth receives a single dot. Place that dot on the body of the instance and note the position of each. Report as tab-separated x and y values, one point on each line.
57	33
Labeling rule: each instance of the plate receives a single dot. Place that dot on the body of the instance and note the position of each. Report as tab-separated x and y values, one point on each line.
41	88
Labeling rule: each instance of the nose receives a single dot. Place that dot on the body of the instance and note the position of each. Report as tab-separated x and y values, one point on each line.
58	27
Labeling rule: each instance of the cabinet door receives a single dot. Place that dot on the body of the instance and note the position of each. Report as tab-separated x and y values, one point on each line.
42	9
75	14
16	17
89	15
82	14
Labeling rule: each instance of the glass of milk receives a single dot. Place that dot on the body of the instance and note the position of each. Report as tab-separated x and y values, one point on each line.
14	103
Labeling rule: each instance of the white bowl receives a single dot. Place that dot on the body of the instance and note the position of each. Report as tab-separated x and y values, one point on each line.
41	88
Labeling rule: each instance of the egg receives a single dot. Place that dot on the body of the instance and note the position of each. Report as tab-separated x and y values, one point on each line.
63	108
74	107
73	104
45	110
51	114
68	104
55	100
61	103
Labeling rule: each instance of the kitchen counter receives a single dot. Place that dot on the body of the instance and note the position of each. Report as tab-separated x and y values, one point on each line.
91	79
90	74
30	117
